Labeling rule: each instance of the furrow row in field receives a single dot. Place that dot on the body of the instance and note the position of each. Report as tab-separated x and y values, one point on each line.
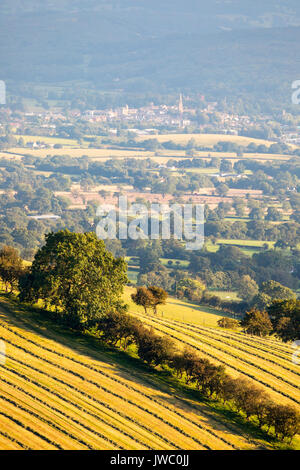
8	443
248	342
76	381
59	419
234	362
90	368
249	350
82	410
272	343
17	385
15	424
76	396
50	427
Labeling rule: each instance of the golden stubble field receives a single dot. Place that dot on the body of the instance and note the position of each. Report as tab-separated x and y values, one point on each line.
266	361
59	392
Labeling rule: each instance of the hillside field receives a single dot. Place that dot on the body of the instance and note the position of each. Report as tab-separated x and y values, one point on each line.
208	140
266	361
64	391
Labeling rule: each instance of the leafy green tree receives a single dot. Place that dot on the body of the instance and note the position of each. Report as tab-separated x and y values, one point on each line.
285	317
143	297
11	267
261	301
155	349
222	189
159	297
75	274
247	288
277	291
118	327
190	288
257	323
159	278
273	214
149	260
256	214
227	322
286	421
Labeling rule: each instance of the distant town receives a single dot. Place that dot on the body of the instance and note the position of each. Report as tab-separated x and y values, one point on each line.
152	119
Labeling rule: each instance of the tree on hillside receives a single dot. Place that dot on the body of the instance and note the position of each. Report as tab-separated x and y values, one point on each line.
261	301
286	421
285	317
155	349
149	260
222	189
143	297
227	322
75	274
11	267
277	291
150	297
257	323
256	214
159	297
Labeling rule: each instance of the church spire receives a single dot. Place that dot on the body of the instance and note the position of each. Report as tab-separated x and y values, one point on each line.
180	105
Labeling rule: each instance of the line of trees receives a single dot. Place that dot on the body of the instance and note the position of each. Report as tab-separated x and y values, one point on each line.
76	276
121	329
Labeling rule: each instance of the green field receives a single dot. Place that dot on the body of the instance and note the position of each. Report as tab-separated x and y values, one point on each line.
47	140
248	247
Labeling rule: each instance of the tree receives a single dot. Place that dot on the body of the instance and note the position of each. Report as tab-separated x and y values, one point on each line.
226	166
277	291
285	317
155	349
247	288
273	214
11	267
286	421
190	288
74	273
159	297
143	297
261	301
256	214
257	323
117	326
227	322
149	260
247	396
159	278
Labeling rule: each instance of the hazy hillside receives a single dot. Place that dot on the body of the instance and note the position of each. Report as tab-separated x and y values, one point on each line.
211	47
